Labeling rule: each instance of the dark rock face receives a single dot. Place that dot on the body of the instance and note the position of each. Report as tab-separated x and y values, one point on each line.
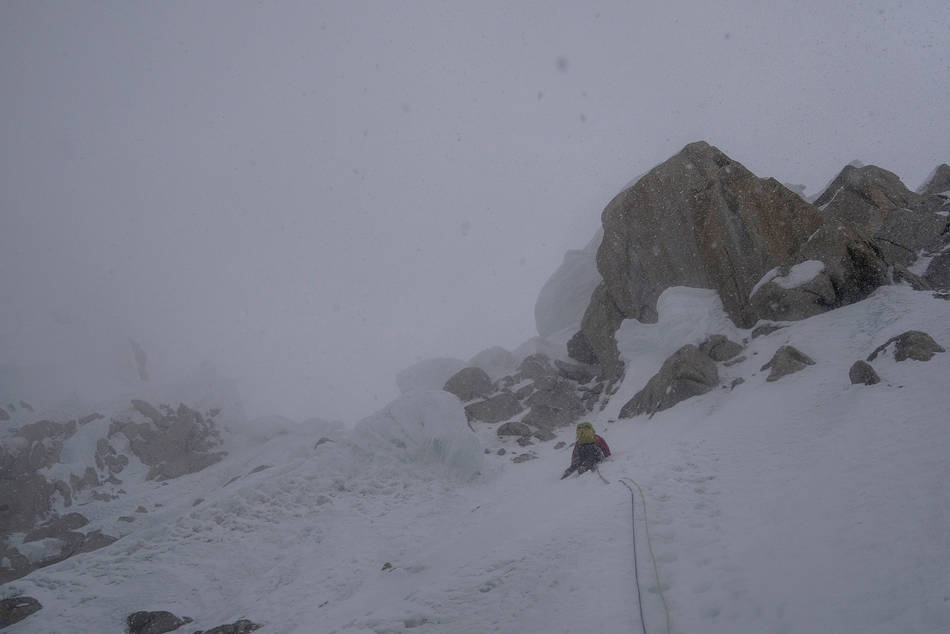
576	372
687	373
496	409
17	609
468	384
579	349
876	203
912	344
154	622
938	271
700	219
238	627
720	348
786	360
177	443
4	415
938	183
862	373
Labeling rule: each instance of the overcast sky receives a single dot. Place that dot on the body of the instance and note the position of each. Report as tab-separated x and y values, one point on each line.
315	195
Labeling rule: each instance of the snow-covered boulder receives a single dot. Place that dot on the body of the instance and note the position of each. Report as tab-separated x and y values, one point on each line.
720	348
689	372
862	373
428	428
429	374
836	266
786	360
912	344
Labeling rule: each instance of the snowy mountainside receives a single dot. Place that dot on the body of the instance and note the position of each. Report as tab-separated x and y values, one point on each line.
802	505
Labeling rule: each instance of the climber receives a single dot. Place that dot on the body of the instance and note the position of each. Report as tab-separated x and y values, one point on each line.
589	449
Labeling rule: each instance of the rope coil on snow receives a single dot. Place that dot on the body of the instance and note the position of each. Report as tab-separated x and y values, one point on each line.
656	571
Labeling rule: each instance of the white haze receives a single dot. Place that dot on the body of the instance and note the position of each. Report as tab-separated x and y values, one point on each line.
313	196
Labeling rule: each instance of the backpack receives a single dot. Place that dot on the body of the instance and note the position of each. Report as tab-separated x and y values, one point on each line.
585	433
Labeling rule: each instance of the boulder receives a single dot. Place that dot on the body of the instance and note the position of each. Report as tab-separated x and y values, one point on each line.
687	373
238	627
912	344
938	183
699	219
835	267
766	329
554	403
514	429
469	383
154	622
17	609
786	360
496	409
536	366
720	348
862	373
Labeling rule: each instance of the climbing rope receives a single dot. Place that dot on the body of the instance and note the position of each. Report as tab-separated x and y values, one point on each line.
656	572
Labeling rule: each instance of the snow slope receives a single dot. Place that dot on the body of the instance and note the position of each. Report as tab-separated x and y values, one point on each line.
803	505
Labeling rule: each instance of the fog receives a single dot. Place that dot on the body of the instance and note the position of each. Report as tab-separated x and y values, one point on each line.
312	196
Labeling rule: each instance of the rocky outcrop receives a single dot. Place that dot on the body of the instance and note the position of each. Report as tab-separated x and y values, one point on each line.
876	203
938	183
861	373
172	443
4	415
700	219
468	384
786	360
554	403
687	373
835	267
498	408
912	344
17	609
154	622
